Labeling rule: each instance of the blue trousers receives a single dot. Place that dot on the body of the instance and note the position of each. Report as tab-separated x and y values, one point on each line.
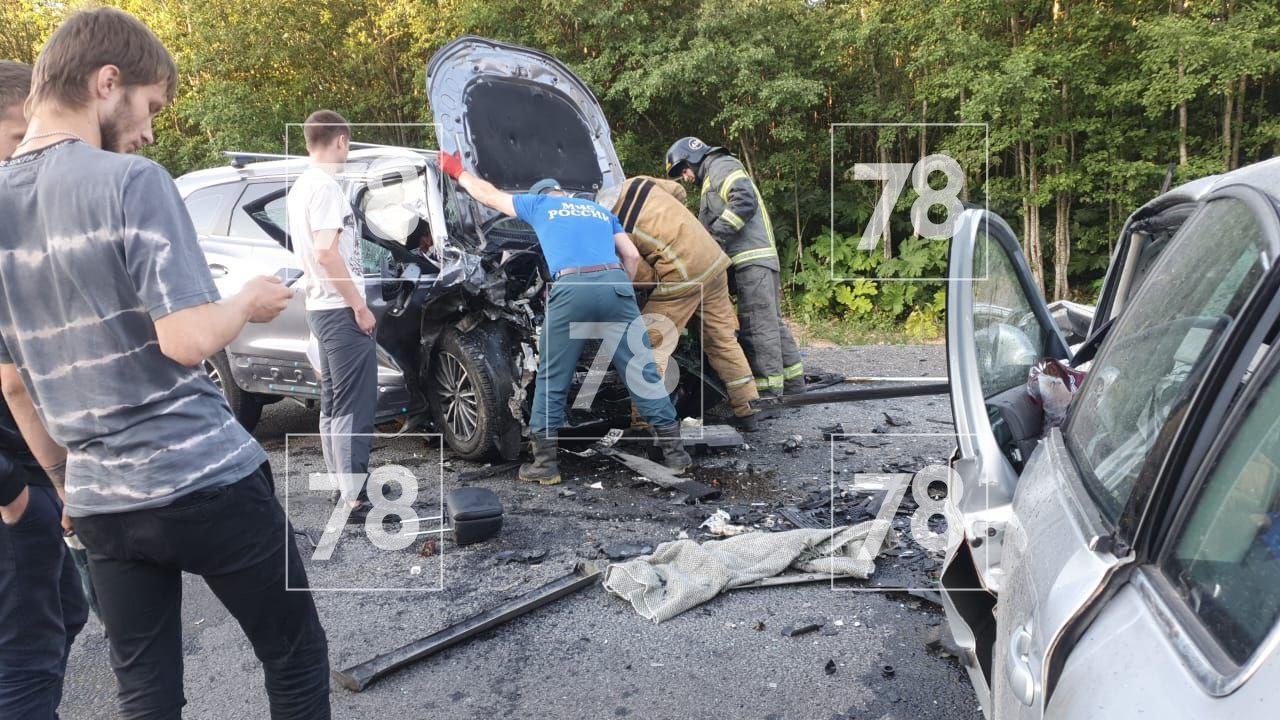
607	299
42	608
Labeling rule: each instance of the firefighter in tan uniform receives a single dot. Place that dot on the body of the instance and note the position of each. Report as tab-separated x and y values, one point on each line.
733	211
689	275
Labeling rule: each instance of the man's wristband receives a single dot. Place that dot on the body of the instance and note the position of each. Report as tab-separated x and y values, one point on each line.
57	475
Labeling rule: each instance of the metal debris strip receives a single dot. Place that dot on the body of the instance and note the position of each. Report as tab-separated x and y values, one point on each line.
855	395
649	470
358	677
485	472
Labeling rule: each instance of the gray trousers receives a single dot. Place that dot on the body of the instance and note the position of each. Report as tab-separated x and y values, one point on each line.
348	396
771	351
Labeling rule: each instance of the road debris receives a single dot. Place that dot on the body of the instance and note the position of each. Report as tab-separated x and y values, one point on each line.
682	574
719	525
656	473
486	472
803	628
530	557
429	548
830	667
793	443
895	420
703	439
358	677
625	551
829	432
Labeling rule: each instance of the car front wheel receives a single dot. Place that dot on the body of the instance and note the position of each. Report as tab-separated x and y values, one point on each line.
245	406
467	400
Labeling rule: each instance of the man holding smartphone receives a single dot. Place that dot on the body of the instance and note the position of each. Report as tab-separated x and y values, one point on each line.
322	229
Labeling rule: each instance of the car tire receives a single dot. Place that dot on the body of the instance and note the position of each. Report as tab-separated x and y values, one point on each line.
244	405
468	402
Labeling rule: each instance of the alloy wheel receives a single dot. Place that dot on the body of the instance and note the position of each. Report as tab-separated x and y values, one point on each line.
457	396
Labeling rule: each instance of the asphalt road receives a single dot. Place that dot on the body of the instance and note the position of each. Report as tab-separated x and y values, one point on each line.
590	655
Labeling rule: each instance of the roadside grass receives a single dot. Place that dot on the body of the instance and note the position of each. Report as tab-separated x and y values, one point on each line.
840	332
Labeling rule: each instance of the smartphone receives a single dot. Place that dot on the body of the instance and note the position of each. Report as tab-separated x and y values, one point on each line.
289	276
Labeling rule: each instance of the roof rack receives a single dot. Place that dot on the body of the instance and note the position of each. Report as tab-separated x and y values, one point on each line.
374	146
240	159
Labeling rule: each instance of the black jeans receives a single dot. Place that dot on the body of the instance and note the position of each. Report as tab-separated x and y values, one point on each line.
236	537
42	608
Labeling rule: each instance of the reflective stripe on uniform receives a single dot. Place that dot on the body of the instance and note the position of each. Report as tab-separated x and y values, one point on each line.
730	217
676	288
729	180
662	249
756	254
732	178
769	383
791	372
740	381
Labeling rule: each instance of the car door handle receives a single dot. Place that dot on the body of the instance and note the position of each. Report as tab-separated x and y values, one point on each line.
218	270
1022	681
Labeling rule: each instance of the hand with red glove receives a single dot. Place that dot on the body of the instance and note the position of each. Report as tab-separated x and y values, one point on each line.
451	164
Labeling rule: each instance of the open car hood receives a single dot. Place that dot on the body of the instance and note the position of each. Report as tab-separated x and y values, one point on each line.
518	115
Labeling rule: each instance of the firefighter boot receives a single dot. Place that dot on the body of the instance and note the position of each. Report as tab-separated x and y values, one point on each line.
543	469
673	452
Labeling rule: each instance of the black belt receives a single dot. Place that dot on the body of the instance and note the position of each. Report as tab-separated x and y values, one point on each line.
586	269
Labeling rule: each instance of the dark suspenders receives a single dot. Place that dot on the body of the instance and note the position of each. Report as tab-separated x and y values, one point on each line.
633	203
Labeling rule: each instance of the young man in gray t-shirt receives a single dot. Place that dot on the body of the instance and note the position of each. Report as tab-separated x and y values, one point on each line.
107	311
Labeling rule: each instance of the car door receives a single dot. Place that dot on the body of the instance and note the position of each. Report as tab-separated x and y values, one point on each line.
272	355
1087	489
1197	618
286	337
998	327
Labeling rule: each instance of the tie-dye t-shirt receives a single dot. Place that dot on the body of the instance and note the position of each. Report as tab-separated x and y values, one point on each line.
94	248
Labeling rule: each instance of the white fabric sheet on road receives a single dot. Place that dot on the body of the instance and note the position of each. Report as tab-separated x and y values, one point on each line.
683	574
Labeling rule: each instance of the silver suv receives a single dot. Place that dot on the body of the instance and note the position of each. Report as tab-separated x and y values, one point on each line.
239	215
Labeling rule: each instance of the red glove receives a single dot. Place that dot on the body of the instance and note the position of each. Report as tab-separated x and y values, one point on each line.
451	164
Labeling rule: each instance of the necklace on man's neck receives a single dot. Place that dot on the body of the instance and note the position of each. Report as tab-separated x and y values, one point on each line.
51	134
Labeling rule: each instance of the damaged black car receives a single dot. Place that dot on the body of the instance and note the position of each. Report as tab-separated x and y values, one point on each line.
458	289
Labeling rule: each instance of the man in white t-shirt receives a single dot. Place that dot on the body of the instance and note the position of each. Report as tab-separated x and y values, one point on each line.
322	228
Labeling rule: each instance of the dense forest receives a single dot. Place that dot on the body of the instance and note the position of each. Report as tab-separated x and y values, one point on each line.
1091	106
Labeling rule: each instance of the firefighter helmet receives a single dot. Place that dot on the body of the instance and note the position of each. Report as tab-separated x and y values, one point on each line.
687	152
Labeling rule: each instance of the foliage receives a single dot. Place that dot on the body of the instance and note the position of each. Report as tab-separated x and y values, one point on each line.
1088	103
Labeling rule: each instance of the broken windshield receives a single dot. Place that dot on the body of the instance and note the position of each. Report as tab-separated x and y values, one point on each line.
1164	340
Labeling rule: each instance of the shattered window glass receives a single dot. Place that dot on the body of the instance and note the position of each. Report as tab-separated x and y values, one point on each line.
1008	338
1151	362
1225	560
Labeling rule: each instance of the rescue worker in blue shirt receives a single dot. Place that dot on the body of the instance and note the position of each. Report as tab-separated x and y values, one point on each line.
592	263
